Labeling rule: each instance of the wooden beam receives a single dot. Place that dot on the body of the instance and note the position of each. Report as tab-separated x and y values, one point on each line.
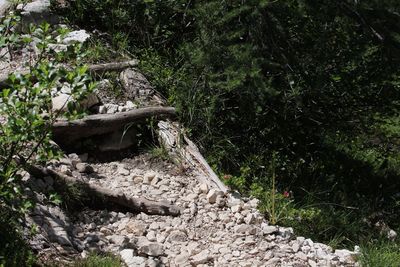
66	132
104	196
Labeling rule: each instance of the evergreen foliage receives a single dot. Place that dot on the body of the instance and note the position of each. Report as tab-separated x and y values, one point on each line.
315	83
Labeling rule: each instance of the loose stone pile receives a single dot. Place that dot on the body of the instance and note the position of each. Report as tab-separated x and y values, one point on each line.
213	230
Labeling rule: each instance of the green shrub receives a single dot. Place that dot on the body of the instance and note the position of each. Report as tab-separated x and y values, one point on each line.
96	260
380	254
14	250
25	130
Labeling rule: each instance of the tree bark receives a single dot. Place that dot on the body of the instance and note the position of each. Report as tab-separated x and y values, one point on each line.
105	196
66	132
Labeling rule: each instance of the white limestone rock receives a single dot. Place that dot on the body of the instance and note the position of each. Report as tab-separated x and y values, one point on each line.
345	255
286	232
148	177
295	247
201	257
236	208
136	227
37	12
213	194
182	259
138	180
128	256
60	102
151	236
177	236
4	5
111	108
62	97
102	109
65	170
245	229
130	105
75	37
269	229
151	249
84	168
250	218
203	188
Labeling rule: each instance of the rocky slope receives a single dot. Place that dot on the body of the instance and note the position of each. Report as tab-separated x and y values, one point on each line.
213	229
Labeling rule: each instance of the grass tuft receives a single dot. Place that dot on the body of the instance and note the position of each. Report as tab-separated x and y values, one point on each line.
380	254
96	260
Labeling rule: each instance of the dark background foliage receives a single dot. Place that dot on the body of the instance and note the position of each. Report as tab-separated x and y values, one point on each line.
315	83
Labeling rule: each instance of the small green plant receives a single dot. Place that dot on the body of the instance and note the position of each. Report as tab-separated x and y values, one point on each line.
14	251
380	253
160	152
26	106
277	206
55	199
273	215
97	260
96	50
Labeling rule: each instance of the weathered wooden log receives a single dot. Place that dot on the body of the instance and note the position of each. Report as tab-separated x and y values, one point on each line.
183	148
197	158
170	135
66	132
104	195
113	66
93	69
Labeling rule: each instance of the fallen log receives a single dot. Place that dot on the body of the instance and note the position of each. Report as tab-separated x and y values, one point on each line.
66	132
197	158
113	66
172	138
100	195
184	149
92	69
